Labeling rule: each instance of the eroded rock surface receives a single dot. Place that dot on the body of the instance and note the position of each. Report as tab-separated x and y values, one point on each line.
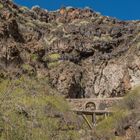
82	53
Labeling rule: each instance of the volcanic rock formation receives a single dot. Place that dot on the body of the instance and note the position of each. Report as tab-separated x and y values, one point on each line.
82	53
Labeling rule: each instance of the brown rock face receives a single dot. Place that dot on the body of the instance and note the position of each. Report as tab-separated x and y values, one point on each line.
82	53
67	79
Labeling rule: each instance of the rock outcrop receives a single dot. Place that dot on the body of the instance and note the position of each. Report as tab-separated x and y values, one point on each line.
82	53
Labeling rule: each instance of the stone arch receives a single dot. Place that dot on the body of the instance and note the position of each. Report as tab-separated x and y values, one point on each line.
90	106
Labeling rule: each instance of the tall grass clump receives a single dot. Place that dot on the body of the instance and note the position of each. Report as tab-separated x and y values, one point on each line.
31	110
123	111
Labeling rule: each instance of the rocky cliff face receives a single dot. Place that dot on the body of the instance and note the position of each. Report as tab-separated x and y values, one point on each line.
80	52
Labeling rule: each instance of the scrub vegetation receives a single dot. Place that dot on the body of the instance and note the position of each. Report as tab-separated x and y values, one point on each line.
30	109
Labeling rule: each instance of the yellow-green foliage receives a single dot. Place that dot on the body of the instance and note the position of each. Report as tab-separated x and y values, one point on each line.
27	111
53	64
121	111
34	57
1	6
107	125
131	101
28	69
52	60
54	56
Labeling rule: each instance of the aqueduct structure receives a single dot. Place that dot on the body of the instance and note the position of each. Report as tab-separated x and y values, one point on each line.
93	107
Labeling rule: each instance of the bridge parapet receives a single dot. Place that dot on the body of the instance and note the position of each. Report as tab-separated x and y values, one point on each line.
93	103
93	107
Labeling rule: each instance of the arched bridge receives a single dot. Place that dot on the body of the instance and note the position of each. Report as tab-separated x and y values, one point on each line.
93	107
92	104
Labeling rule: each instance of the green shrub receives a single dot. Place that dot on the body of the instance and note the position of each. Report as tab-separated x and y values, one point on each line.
121	111
54	56
31	110
28	69
53	64
34	57
131	101
1	6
